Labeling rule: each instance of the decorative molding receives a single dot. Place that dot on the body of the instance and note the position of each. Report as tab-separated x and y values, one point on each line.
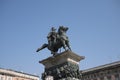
19	74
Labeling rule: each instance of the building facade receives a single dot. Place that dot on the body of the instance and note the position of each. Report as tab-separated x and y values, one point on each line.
104	72
7	74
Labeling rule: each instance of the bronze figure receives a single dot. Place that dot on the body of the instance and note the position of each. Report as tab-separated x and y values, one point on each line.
56	40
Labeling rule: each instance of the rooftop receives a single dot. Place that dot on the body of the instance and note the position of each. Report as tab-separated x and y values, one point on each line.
113	64
17	73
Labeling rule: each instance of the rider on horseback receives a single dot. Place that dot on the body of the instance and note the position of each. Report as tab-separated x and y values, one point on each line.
56	40
52	36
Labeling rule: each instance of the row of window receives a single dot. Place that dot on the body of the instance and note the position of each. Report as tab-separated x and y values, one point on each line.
5	77
101	73
115	77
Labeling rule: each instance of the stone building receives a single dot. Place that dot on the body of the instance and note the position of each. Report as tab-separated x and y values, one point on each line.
7	74
109	71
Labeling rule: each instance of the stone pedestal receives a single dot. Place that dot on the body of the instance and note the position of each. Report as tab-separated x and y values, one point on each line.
63	66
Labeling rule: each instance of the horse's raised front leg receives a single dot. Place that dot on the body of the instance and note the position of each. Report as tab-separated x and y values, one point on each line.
63	43
68	45
42	47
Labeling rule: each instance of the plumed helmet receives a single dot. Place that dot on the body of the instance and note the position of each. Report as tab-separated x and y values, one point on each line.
53	29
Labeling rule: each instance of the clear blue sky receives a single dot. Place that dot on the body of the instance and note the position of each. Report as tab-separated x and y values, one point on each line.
94	31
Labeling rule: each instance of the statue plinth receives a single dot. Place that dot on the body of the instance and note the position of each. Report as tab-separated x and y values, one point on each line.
61	58
62	66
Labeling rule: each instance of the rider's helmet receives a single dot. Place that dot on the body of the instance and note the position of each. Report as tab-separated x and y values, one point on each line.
53	29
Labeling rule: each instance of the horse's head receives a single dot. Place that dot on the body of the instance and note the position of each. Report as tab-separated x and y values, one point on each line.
62	29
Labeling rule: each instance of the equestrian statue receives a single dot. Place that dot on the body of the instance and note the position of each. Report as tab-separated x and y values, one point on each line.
56	40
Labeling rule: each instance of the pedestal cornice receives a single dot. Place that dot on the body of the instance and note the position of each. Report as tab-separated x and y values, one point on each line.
66	56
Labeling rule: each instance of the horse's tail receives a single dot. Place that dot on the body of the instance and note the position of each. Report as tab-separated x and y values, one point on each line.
42	47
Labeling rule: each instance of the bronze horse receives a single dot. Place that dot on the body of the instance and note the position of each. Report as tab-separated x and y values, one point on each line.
61	41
